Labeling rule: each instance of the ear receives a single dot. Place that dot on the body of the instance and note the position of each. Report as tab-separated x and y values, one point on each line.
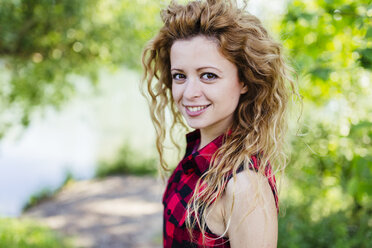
244	88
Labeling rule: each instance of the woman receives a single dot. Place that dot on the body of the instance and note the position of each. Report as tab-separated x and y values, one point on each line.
215	67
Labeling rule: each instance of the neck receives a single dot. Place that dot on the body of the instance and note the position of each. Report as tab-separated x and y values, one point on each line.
211	132
207	136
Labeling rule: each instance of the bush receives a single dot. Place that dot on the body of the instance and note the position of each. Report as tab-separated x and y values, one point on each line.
337	230
28	234
127	161
46	193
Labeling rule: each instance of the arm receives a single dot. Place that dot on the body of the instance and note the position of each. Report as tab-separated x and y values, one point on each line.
250	208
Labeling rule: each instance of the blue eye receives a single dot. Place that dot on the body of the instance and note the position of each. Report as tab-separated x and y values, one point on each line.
209	76
178	76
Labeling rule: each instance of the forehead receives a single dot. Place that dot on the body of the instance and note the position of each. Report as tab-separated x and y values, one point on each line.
199	51
197	40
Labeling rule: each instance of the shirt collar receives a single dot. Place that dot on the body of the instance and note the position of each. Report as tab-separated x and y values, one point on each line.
199	159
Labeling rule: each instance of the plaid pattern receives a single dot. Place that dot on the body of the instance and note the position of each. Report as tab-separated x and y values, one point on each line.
180	189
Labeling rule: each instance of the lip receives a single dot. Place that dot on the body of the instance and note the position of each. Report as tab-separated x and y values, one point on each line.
197	112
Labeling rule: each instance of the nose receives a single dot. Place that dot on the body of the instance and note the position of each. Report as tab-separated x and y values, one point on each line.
193	88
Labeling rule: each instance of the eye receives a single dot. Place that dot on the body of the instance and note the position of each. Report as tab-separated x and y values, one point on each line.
178	76
209	76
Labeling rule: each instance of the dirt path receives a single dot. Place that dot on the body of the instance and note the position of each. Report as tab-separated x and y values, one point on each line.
113	212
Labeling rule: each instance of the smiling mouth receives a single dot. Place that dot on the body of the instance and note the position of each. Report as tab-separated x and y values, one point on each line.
196	108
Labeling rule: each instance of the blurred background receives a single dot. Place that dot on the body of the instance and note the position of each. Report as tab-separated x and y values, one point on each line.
71	110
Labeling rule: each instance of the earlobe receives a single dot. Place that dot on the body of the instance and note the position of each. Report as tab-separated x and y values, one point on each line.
244	89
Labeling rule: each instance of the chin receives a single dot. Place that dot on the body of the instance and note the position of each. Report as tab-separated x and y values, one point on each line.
195	125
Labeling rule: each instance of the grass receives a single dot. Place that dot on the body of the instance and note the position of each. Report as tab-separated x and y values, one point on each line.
46	193
23	233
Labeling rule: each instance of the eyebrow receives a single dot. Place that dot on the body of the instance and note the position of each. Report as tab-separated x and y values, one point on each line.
209	67
199	69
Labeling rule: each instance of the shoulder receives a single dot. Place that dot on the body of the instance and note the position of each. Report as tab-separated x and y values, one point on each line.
247	181
250	211
249	189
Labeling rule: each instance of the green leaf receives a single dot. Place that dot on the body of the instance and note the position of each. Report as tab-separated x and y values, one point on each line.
366	58
369	33
321	72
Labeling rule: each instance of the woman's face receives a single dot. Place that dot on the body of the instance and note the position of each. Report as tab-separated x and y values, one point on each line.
205	85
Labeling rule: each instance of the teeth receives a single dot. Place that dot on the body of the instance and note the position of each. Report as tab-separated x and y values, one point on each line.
194	109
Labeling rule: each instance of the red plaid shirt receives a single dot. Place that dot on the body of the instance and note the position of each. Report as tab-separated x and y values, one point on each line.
180	188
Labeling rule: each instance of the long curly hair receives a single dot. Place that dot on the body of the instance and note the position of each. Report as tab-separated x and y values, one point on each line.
259	123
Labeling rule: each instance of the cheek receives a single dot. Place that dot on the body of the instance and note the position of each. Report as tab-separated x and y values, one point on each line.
228	98
176	93
227	95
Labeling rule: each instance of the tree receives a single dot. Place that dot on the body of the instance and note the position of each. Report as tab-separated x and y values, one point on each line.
330	174
43	43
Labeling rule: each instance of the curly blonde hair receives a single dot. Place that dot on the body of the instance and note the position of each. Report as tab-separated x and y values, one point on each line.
259	123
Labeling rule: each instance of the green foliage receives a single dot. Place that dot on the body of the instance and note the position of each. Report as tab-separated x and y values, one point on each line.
47	193
330	43
43	43
336	160
28	234
328	198
337	230
38	198
127	161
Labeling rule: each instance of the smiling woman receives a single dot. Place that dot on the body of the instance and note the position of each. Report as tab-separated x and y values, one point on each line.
217	69
205	86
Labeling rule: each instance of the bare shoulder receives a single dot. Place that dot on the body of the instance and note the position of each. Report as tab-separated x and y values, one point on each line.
248	183
250	211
